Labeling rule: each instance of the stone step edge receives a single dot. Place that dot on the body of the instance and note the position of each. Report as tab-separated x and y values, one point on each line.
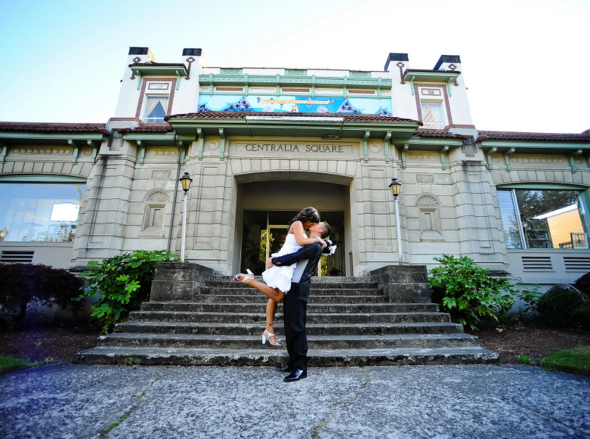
309	325
259	357
242	314
253	338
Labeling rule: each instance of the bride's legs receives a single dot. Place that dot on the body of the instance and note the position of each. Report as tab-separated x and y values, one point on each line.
271	307
271	293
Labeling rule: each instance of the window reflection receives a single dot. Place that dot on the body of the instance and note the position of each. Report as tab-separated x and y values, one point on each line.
542	218
39	212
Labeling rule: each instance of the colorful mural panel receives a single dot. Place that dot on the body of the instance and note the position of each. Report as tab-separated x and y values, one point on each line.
295	104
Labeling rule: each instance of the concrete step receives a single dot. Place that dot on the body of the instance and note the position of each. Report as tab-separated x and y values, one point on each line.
256	329
258	317
424	341
241	289
261	298
275	357
311	308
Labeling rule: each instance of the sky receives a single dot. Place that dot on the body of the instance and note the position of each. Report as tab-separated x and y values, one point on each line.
525	63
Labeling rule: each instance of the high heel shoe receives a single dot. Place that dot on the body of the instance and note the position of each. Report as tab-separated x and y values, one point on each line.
250	275
267	335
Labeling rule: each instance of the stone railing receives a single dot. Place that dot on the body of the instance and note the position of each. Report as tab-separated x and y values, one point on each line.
176	282
404	283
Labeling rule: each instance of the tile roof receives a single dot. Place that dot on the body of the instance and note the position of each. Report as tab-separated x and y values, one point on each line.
237	115
157	64
430	71
439	133
151	128
534	137
54	127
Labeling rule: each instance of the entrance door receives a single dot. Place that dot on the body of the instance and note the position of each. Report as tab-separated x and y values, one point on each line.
264	233
275	238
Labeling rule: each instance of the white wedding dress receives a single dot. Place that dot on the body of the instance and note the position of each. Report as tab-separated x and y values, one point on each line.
280	277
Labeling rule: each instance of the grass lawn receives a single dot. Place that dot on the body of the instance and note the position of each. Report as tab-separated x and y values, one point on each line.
575	360
9	364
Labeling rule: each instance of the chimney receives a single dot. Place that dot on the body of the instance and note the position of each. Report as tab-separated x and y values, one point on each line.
397	58
143	53
448	62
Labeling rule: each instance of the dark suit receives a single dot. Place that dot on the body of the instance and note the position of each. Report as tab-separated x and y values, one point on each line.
295	304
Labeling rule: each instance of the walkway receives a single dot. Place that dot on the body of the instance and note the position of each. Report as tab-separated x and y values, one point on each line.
77	401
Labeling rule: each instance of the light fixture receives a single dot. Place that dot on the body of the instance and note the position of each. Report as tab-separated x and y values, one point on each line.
186	181
395	188
3	234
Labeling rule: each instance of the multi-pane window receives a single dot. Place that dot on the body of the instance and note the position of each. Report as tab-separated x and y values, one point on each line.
542	218
156	109
433	115
39	212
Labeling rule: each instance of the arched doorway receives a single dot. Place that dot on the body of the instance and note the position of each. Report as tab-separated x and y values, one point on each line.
265	208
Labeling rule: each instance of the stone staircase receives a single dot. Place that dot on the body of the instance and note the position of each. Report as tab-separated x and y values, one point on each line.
196	319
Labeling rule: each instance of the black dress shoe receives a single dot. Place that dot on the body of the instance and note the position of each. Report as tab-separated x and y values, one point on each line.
296	375
284	368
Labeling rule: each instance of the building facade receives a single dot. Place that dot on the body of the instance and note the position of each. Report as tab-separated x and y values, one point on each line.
262	143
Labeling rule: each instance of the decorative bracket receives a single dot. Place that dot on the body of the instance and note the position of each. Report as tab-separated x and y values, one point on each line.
139	80
201	143
177	79
366	146
401	72
76	151
189	60
141	152
404	149
183	147
94	147
443	160
222	152
507	155
386	145
489	157
4	152
449	90
412	85
573	161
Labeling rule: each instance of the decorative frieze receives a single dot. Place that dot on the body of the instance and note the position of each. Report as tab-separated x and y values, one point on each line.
162	151
423	156
37	150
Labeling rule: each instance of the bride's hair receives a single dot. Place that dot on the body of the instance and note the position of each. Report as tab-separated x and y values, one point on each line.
307	214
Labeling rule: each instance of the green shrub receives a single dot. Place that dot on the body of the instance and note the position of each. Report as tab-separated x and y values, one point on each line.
583	284
123	283
564	306
467	292
21	284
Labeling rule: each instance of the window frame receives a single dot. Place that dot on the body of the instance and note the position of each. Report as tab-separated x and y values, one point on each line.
584	199
47	179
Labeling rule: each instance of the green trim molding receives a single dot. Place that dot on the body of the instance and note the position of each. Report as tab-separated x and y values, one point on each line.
295	81
565	187
40	179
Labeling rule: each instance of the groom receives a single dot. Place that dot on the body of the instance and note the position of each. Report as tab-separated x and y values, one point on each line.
295	304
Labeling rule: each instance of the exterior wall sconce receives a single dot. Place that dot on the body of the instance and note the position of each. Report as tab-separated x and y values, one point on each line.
3	234
395	188
186	181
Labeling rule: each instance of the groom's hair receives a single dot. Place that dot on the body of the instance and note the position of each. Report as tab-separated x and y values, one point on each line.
326	229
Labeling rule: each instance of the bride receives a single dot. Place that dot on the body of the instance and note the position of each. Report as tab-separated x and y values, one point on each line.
277	280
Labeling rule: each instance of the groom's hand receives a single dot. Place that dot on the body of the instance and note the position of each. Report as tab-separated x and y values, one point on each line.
269	262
